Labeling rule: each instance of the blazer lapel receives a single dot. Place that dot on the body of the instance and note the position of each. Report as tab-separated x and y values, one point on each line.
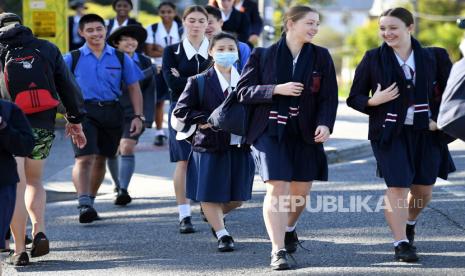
213	86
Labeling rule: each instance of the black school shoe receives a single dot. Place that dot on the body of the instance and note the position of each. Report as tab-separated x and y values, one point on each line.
185	226
404	252
40	245
279	260
87	214
18	260
226	244
410	231
159	140
123	198
291	241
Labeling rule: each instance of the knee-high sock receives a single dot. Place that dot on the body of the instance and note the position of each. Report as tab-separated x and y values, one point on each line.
113	167
127	166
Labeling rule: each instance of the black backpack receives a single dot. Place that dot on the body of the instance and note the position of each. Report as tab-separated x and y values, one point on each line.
29	80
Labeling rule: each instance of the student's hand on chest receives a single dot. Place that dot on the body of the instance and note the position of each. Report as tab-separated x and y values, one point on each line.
384	96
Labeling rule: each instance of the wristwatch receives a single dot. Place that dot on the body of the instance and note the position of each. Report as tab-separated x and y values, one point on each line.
140	117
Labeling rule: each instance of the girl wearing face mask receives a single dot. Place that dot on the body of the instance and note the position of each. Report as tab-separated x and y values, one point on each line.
399	85
180	61
292	87
220	170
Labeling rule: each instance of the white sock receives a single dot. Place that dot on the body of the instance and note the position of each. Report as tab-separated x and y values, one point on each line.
160	132
223	232
273	252
184	211
411	222
290	228
396	243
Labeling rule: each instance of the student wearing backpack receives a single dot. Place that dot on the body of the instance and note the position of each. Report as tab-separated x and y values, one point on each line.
406	82
215	23
220	169
292	89
160	35
181	61
16	139
126	39
101	71
34	76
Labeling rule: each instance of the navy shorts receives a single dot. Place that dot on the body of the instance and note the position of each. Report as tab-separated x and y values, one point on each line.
413	157
292	159
179	150
220	177
103	127
7	199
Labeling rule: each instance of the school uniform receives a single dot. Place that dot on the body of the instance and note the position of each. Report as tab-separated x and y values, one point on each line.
406	151
75	41
250	8
238	24
281	129
188	61
100	80
219	168
16	139
163	38
147	87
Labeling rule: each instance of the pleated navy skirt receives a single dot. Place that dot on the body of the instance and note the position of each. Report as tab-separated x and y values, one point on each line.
413	157
220	177
291	159
179	150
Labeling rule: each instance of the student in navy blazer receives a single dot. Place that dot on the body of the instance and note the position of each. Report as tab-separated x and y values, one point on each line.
220	169
235	21
250	9
16	139
292	89
406	82
180	61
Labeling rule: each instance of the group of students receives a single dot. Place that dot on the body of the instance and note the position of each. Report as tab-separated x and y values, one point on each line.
290	89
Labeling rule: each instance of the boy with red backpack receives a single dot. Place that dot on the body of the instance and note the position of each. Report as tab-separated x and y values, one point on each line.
34	76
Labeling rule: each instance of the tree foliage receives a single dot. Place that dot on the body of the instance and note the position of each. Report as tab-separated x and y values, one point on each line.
430	32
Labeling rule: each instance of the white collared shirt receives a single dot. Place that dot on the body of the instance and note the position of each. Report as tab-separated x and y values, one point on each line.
162	38
191	51
238	6
226	17
116	25
235	139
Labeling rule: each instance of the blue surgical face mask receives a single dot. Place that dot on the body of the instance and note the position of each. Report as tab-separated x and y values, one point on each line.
226	59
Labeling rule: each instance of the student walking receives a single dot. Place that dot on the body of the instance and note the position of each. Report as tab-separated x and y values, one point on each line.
101	71
406	82
160	35
220	169
16	139
293	91
126	39
34	69
181	61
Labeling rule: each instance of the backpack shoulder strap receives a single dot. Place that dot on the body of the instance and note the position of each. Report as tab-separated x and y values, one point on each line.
201	87
154	31
120	56
75	55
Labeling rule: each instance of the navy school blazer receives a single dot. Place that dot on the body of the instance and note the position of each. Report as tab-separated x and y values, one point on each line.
16	139
369	73
190	110
318	101
250	8
238	24
174	56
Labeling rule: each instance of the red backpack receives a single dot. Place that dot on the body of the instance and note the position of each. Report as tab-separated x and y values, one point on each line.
29	81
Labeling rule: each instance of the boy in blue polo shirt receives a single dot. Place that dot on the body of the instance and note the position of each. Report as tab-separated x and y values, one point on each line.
100	72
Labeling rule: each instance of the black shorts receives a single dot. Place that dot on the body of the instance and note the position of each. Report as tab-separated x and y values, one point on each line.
127	130
103	127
